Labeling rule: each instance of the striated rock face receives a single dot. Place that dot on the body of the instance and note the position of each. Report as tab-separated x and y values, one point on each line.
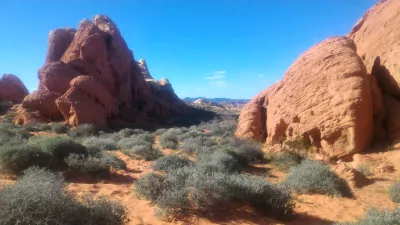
91	76
325	97
377	36
144	70
12	89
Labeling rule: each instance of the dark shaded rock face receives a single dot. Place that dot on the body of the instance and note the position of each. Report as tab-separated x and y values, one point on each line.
12	89
91	76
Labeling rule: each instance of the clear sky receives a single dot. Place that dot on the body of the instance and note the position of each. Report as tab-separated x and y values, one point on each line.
210	48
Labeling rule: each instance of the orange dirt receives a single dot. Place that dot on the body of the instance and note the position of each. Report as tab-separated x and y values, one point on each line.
310	209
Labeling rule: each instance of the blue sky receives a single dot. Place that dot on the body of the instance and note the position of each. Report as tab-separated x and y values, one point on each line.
210	48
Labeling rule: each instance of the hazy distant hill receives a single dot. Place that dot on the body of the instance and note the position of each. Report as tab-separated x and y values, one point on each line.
218	100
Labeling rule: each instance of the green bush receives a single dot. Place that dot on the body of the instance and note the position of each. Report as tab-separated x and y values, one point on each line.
144	152
59	146
149	186
285	160
169	139
19	157
99	165
313	177
128	143
36	127
13	136
84	130
127	132
394	192
364	169
102	143
59	128
191	190
171	162
219	161
194	145
40	197
298	144
160	131
246	152
378	217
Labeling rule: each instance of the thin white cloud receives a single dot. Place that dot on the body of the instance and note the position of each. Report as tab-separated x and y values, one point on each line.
220	74
219	83
215	77
260	75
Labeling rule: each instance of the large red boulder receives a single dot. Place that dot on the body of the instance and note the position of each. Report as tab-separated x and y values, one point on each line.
377	36
325	98
90	76
12	89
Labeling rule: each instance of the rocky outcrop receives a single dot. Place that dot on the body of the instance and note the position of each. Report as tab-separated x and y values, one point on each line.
143	69
342	99
12	89
91	76
376	35
325	97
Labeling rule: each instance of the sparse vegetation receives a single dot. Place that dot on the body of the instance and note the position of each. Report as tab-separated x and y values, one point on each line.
192	190
36	127
39	197
171	162
100	165
169	139
84	130
364	169
60	147
313	177
298	144
102	143
140	140
376	216
285	160
59	128
147	153
394	192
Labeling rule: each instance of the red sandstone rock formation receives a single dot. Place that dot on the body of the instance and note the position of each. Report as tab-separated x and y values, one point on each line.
12	89
377	36
91	76
325	96
342	94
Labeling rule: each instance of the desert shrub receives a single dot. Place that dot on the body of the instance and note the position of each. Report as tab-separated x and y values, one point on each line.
194	145
219	128
84	130
245	151
40	197
160	131
59	146
147	153
127	132
102	143
95	165
313	177
13	136
149	186
364	169
219	161
285	160
375	217
59	128
113	161
394	192
191	190
171	162
298	144
36	127
169	139
128	143
19	157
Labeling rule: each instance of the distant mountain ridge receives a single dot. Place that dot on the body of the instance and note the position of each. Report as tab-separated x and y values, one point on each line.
218	100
